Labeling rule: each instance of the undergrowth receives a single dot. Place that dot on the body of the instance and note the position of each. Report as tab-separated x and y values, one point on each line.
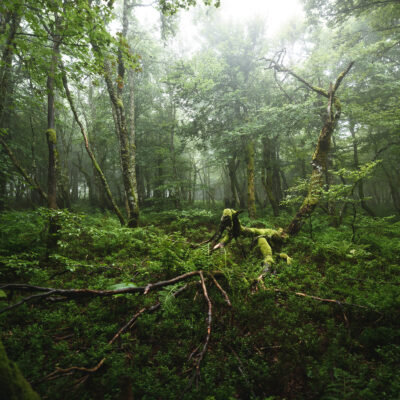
271	344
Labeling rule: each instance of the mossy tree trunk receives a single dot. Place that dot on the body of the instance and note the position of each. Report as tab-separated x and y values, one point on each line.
127	146
319	159
51	135
12	20
89	151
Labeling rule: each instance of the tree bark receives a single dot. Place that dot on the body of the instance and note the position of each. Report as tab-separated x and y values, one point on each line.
51	135
89	150
127	146
251	200
320	156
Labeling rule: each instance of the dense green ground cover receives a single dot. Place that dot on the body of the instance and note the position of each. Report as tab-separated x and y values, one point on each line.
271	344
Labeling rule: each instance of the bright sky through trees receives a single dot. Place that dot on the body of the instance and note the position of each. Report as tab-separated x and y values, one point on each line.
276	13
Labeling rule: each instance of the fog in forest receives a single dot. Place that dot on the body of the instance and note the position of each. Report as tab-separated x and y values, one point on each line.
217	166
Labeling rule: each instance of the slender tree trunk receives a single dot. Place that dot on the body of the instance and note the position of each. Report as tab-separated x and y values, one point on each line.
251	201
126	144
232	178
276	180
266	176
360	183
6	62
194	183
89	151
51	135
394	189
175	185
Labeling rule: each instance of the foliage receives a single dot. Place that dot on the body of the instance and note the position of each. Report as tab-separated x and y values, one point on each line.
269	345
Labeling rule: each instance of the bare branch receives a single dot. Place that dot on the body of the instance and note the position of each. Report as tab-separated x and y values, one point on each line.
79	293
221	290
280	68
209	321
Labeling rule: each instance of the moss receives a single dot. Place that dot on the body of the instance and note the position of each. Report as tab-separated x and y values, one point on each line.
266	250
12	383
234	229
51	135
120	103
285	257
228	212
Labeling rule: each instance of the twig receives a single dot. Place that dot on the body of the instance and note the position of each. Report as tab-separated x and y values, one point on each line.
221	290
324	300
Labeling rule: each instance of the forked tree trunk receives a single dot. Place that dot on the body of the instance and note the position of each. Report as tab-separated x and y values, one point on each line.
320	156
319	159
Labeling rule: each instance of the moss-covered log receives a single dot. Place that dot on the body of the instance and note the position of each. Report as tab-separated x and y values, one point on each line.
13	385
231	226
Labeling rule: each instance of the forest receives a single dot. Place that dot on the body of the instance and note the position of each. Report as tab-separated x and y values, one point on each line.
199	199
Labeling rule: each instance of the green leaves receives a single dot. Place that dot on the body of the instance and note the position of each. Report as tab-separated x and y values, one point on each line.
122	285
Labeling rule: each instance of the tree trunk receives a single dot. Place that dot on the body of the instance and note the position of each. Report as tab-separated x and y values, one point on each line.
360	183
51	135
320	156
251	200
266	176
232	177
394	191
127	146
89	151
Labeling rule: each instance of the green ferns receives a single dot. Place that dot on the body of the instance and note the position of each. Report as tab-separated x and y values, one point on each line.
271	344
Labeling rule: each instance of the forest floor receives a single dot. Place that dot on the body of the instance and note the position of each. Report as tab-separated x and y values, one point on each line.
325	327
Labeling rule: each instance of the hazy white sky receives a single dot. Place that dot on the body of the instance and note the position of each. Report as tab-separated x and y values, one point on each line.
276	12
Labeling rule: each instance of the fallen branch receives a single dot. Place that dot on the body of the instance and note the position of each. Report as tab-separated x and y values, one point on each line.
323	300
203	351
221	290
60	372
79	293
